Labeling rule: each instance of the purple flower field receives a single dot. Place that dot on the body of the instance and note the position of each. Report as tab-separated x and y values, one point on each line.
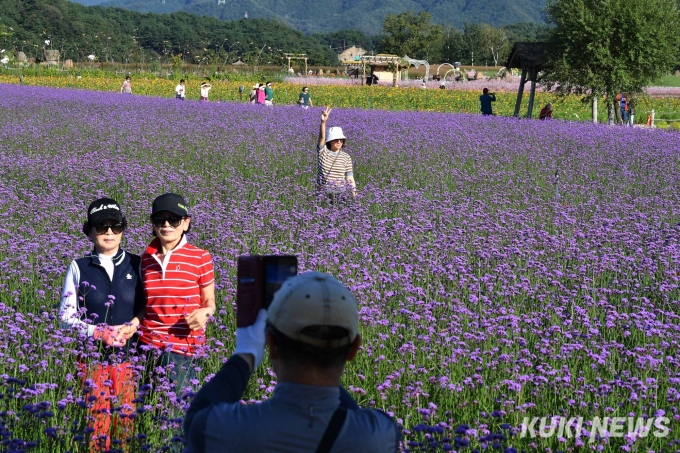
504	268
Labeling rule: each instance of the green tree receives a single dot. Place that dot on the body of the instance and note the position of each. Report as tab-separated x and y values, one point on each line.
603	47
410	34
526	31
452	45
495	41
118	34
473	39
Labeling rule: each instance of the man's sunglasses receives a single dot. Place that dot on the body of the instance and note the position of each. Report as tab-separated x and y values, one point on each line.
103	228
159	221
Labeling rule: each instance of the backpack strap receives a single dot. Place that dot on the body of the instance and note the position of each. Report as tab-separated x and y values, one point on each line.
332	430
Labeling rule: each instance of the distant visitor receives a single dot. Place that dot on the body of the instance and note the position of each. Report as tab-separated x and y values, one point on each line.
305	101
205	91
546	112
269	94
126	88
180	92
485	100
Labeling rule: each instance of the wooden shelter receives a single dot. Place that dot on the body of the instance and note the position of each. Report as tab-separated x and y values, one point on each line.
530	57
296	56
381	66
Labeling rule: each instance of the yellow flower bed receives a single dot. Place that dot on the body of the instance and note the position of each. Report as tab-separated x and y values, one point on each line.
349	96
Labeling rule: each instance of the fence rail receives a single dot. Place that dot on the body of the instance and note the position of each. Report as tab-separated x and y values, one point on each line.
653	119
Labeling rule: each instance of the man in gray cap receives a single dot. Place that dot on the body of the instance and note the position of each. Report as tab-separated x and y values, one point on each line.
312	330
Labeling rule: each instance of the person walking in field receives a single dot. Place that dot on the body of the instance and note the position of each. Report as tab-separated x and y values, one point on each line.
617	109
631	111
260	94
624	109
269	94
485	101
253	94
205	91
102	293
180	288
180	91
305	101
126	88
334	166
546	112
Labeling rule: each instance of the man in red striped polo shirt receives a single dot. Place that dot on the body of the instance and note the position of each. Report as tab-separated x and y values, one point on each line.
180	290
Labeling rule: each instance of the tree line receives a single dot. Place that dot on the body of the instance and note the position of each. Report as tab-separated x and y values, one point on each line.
610	47
475	44
114	34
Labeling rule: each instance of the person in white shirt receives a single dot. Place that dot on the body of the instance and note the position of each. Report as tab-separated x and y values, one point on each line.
180	92
205	90
126	88
102	293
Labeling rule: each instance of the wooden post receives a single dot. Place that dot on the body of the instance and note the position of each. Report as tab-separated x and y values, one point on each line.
289	63
533	92
305	66
518	103
396	72
363	77
595	109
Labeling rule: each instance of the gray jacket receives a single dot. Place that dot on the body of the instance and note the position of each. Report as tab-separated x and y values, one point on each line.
294	419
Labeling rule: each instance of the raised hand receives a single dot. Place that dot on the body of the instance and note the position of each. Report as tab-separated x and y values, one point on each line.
325	113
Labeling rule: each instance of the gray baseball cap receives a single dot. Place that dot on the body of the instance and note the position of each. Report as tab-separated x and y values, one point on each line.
314	299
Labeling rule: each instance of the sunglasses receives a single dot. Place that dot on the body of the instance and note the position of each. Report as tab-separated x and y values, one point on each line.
103	228
173	221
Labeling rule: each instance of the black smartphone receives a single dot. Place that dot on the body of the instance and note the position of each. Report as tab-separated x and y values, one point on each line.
258	278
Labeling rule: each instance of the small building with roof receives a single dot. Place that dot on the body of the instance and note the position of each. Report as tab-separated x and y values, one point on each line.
351	53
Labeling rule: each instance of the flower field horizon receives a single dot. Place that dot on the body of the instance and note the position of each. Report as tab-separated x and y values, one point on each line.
510	84
414	98
503	268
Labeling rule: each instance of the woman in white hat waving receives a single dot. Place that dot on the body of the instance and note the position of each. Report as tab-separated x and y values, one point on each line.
334	166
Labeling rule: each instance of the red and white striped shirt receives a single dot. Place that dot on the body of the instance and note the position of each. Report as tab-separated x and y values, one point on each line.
173	291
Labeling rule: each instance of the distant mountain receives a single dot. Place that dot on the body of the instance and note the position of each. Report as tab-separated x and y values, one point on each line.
89	2
314	16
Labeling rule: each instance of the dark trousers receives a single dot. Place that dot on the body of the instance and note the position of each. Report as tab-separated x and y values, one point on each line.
183	369
181	372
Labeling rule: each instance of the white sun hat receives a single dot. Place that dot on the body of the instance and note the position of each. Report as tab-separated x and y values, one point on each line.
335	133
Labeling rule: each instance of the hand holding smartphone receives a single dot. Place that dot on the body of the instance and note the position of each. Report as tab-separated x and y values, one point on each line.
258	278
